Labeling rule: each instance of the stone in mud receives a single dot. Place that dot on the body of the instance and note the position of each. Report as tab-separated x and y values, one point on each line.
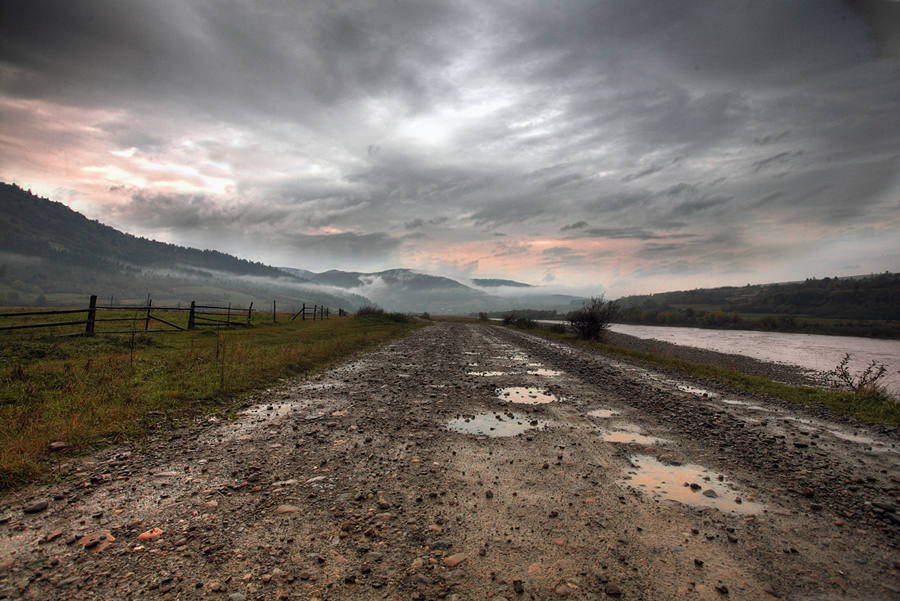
455	560
612	590
710	493
36	507
57	446
286	509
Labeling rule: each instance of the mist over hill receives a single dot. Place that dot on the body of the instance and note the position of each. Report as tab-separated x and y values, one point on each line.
410	291
52	255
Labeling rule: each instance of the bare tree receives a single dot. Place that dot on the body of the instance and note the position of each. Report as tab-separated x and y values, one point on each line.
593	319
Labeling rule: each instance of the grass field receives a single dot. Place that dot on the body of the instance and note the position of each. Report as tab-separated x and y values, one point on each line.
88	392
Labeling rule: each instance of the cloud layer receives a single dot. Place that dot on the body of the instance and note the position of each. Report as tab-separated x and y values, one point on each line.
627	146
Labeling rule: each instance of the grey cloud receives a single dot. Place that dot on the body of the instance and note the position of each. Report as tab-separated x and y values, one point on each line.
578	225
377	245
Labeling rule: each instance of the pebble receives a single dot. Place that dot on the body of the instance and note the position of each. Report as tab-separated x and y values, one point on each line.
612	590
283	509
455	560
36	507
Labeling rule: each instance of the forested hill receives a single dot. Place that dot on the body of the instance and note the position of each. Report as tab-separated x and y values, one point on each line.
38	227
872	297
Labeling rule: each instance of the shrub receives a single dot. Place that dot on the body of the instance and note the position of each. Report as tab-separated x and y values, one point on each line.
525	323
369	310
557	328
483	316
591	321
509	318
865	383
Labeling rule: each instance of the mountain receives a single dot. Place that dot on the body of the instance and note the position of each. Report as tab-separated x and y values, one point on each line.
410	291
494	283
50	254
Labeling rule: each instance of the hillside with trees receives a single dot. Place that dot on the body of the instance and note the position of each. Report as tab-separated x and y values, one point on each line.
51	255
857	305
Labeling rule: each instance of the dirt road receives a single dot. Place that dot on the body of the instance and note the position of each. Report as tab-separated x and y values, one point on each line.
467	463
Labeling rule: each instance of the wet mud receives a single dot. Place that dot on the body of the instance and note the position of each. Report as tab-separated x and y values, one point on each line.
434	468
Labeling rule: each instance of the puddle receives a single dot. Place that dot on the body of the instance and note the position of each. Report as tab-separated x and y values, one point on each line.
603	413
524	395
485	373
730	402
853	437
631	438
871	444
495	424
697	391
545	372
691	485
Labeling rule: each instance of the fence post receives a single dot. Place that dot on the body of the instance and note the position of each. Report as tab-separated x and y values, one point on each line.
315	310
274	317
92	316
304	312
147	321
327	313
191	316
250	312
228	316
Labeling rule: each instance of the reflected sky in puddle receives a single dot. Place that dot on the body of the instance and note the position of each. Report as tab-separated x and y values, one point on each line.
603	413
486	373
691	485
525	395
631	438
697	391
495	424
545	372
870	443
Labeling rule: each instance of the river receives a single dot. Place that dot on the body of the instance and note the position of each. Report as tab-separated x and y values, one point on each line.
809	351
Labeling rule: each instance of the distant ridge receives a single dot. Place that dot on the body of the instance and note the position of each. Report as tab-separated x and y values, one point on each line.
495	283
52	254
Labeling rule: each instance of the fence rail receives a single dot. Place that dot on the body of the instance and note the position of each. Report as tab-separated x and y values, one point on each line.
198	316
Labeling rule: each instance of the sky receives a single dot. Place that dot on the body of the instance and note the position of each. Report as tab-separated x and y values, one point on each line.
615	146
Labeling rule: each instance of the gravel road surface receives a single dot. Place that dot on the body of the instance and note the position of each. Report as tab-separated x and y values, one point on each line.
473	462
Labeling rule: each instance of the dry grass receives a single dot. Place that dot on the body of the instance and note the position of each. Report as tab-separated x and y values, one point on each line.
88	392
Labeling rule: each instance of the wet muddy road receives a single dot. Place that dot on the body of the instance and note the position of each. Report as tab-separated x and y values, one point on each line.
473	462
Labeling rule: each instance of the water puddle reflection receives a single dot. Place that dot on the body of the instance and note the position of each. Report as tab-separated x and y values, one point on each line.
691	485
545	372
495	424
485	373
525	395
631	438
697	391
603	413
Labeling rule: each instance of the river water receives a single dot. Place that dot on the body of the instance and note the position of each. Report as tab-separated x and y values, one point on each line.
809	351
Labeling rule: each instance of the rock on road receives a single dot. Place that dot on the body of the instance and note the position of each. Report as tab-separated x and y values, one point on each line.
471	462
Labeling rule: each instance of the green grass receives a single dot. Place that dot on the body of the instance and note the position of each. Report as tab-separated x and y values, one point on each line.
875	406
90	392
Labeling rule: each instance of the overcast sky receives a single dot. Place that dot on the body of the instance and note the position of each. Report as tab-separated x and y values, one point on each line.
620	146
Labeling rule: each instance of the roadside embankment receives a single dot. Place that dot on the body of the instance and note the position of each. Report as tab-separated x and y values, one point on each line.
779	372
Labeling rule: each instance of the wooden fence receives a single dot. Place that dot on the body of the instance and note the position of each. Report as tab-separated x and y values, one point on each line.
322	312
94	317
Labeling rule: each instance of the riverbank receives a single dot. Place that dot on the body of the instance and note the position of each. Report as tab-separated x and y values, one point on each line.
779	372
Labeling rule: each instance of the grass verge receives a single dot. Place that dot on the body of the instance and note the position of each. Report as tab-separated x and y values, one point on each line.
88	392
875	406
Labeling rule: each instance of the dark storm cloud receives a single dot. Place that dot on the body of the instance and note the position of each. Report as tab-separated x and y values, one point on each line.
365	128
345	245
